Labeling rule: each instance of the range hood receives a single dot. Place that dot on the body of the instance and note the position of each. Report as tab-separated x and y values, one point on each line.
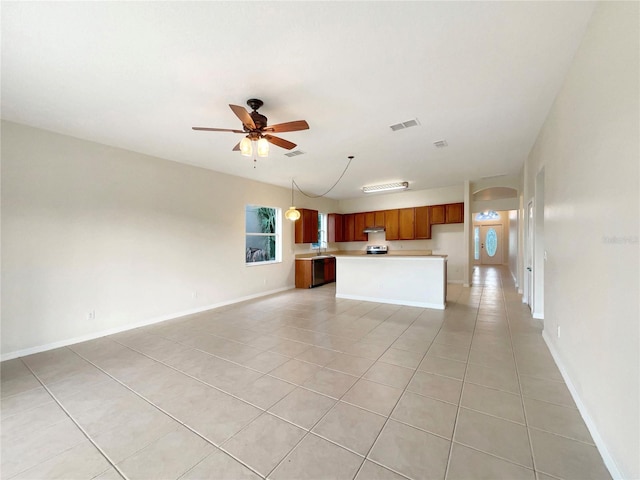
374	229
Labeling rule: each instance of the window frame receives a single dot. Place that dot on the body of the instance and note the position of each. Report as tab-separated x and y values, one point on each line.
322	231
277	235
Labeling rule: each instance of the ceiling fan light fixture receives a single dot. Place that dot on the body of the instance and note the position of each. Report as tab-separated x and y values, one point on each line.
245	147
263	147
385	187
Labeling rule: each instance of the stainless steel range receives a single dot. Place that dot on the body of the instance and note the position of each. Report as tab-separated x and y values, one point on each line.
377	249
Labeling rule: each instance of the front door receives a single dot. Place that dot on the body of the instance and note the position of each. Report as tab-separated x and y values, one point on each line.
491	244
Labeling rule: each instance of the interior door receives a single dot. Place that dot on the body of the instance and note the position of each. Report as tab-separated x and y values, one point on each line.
491	244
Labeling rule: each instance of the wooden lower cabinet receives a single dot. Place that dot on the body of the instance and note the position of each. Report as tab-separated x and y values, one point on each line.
329	270
304	272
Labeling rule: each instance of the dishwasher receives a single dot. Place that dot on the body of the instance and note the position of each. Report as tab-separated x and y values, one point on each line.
317	276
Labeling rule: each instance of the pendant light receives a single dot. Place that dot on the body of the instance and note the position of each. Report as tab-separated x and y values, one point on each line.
292	214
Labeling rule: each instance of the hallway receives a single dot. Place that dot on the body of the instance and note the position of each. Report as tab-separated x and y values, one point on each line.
303	385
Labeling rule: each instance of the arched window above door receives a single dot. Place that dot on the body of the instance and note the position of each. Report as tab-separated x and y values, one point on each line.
487	215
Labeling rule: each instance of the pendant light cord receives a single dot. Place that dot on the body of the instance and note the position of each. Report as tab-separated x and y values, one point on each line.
293	182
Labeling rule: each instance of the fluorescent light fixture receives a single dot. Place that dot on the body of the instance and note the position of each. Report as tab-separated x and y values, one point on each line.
386	187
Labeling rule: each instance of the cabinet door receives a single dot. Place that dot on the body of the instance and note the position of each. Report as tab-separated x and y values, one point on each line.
349	227
359	224
335	228
391	225
406	224
329	270
306	227
454	213
423	224
303	273
369	219
311	227
437	214
378	218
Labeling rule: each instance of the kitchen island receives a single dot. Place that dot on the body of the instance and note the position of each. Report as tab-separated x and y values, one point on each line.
414	279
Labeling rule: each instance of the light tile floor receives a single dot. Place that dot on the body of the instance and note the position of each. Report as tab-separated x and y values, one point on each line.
301	385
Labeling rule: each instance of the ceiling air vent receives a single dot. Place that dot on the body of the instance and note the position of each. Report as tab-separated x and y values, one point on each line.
294	153
441	144
409	123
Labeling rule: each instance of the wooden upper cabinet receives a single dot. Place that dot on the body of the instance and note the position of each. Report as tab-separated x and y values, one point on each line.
391	224
454	213
369	219
423	223
306	227
378	218
335	227
406	223
437	214
349	227
359	224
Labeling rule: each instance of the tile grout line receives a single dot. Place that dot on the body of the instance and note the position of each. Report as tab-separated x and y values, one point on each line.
524	410
84	432
167	414
222	391
466	368
366	457
328	411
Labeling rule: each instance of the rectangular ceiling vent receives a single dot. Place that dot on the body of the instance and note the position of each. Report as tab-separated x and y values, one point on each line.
441	144
494	176
294	153
401	126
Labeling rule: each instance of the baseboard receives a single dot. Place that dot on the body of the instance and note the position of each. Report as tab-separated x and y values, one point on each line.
124	328
593	430
538	316
436	306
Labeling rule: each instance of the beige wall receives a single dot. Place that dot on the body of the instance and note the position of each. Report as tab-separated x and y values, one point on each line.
589	149
90	227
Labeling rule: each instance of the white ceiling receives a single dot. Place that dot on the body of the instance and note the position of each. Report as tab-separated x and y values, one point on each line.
481	75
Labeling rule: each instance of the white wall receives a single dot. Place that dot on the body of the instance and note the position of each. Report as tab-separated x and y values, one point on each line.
589	148
90	227
513	245
445	239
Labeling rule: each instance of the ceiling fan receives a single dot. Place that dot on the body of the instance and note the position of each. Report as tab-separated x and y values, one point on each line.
255	127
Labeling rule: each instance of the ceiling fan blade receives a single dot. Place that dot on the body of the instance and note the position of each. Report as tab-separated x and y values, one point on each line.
218	129
244	116
288	126
236	148
280	142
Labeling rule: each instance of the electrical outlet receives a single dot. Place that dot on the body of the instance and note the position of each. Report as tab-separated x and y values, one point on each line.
194	294
91	315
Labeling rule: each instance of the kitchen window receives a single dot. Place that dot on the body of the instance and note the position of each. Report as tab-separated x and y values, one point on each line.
322	231
262	235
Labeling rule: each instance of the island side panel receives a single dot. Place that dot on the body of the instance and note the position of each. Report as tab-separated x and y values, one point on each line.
412	281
